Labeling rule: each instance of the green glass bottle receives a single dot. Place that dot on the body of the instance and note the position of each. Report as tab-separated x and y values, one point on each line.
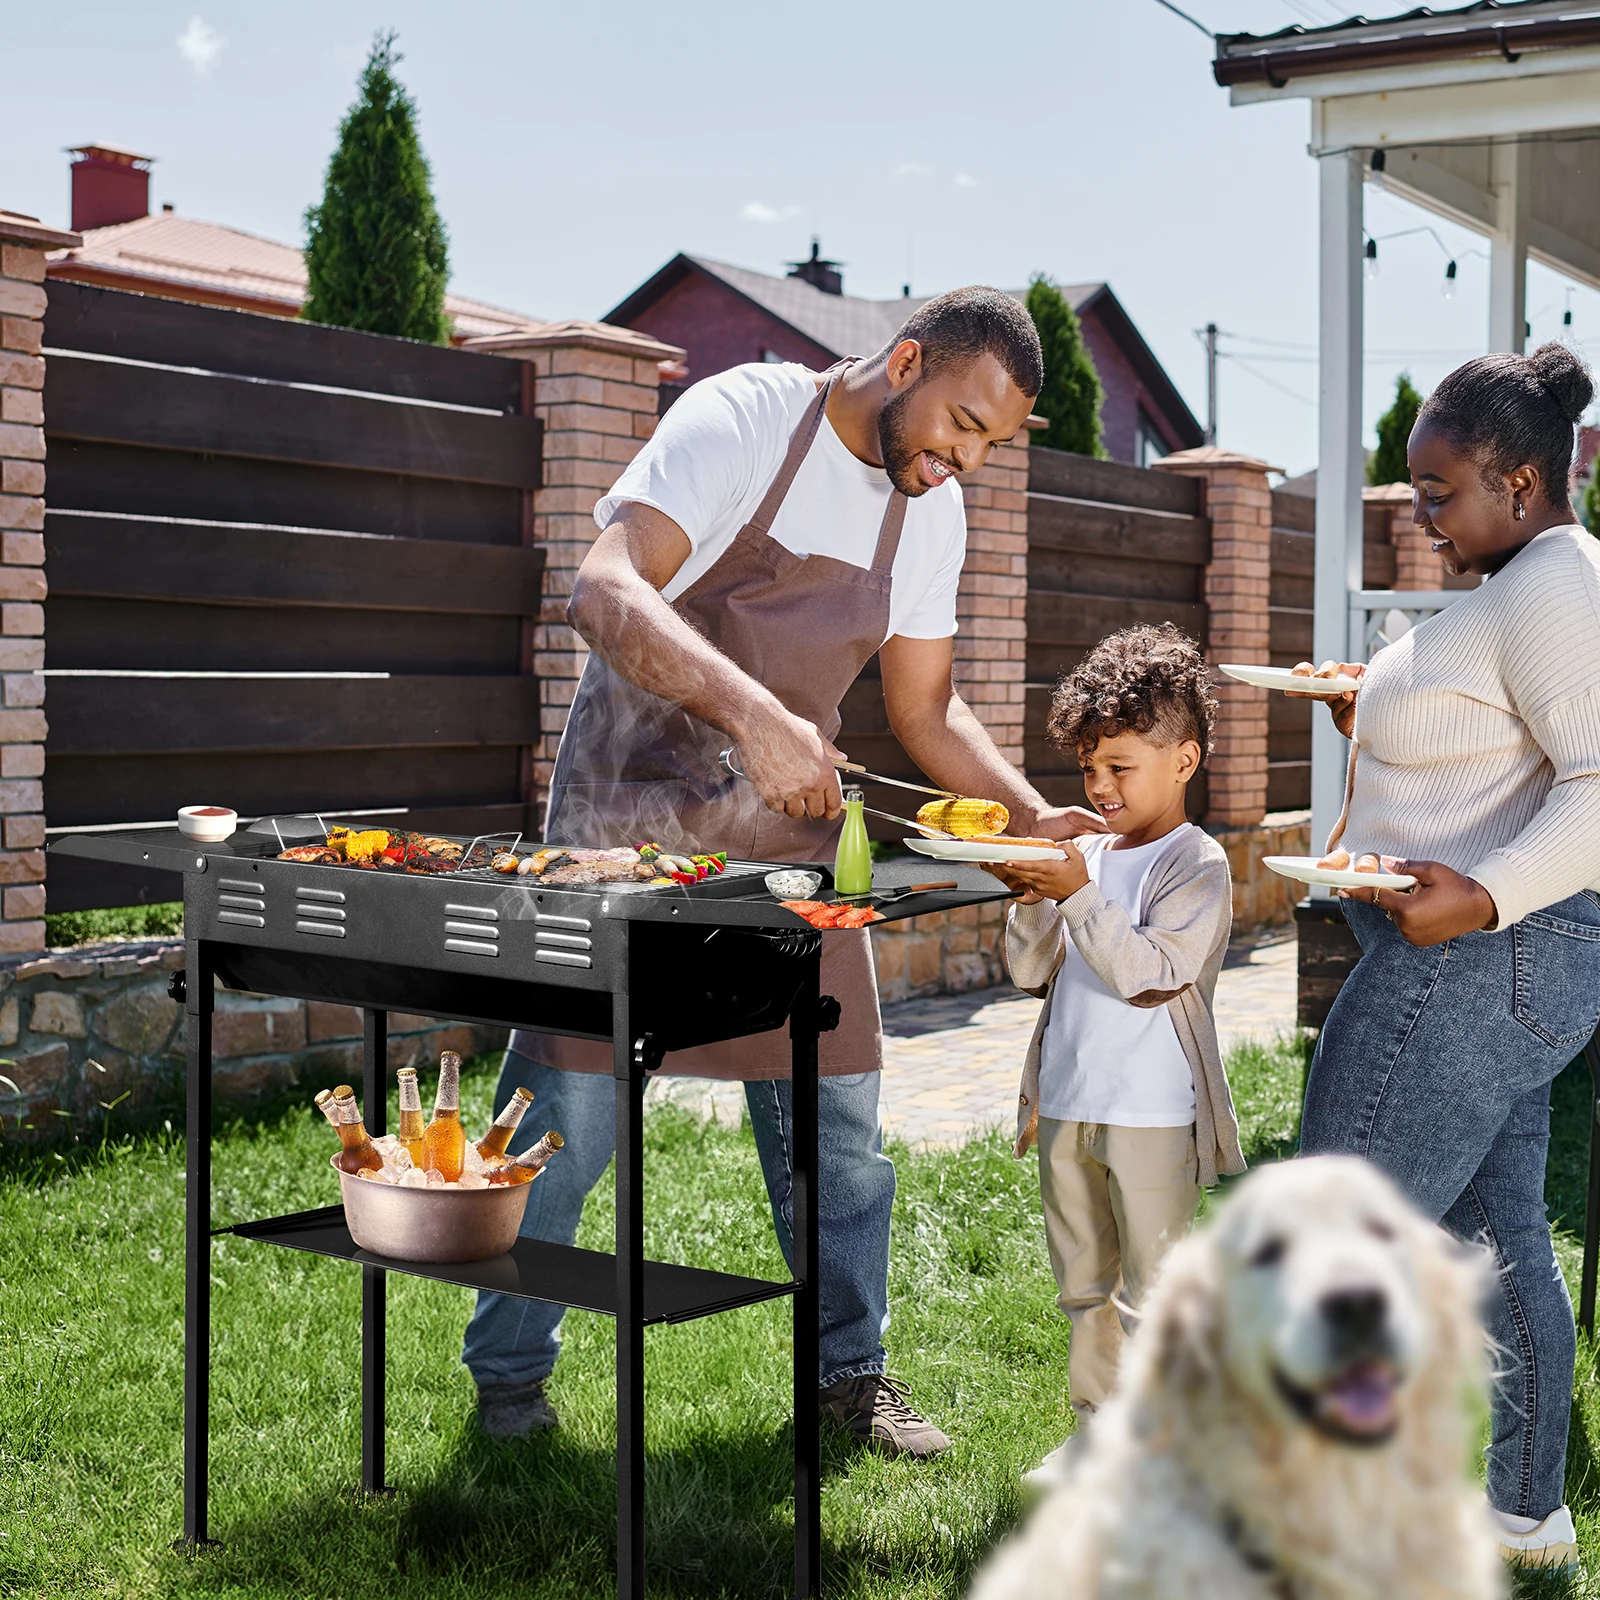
852	866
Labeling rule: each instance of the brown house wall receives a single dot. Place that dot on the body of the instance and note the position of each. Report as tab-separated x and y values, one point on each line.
1119	416
720	329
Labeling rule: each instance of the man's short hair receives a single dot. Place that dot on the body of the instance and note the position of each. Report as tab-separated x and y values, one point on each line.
954	329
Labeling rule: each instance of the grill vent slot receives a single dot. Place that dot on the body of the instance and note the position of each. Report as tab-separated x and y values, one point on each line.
478	936
242	903
319	911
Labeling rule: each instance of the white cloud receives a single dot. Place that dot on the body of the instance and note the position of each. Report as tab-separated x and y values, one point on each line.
965	180
760	211
913	169
200	44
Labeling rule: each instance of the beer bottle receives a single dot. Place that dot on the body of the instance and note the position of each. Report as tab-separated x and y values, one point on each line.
410	1114
324	1103
492	1146
526	1167
444	1141
358	1151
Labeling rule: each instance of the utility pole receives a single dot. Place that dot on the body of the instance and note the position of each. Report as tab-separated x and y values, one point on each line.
1211	383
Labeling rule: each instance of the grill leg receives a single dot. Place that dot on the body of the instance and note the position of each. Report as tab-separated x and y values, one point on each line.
807	1404
374	1280
629	1074
1591	1228
197	1245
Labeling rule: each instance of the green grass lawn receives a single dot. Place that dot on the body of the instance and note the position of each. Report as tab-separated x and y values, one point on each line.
91	1303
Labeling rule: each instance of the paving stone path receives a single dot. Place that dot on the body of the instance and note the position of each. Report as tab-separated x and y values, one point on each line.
952	1063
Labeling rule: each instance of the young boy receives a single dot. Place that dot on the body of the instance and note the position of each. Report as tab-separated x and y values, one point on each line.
1123	1087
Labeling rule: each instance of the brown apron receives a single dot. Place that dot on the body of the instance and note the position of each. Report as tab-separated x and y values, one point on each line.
633	766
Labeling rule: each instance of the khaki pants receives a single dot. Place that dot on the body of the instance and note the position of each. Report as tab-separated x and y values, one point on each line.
1115	1200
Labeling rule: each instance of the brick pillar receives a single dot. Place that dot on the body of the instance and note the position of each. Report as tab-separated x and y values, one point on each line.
1415	564
992	603
23	243
595	387
1238	589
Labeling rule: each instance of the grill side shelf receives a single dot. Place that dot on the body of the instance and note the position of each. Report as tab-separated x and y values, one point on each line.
532	1270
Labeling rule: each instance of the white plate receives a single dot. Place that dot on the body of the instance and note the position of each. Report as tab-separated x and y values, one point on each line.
1306	870
1283	678
966	850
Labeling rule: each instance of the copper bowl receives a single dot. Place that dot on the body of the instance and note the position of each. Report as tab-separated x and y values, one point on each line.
435	1225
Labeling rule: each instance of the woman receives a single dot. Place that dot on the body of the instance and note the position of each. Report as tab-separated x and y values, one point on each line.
1476	769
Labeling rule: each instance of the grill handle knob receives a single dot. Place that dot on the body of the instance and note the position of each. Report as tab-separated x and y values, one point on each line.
828	1013
177	987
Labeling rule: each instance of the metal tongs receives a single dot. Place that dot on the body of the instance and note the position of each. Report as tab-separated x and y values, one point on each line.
850	766
860	771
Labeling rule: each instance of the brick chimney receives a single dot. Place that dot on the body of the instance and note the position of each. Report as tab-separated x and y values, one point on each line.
818	271
108	186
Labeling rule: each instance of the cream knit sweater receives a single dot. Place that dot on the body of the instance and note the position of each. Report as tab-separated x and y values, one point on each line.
1477	735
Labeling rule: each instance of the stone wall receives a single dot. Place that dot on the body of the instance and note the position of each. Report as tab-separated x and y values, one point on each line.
91	1033
948	952
1261	898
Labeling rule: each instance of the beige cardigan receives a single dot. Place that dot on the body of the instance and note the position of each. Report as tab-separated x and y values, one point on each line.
1172	958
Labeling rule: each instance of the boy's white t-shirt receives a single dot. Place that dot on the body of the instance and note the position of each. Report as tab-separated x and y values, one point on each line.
1102	1059
717	450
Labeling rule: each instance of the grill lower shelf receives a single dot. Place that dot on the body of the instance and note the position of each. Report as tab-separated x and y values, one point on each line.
532	1270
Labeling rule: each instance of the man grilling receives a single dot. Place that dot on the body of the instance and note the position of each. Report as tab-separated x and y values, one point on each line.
778	530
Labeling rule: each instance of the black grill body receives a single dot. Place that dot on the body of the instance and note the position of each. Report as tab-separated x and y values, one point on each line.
649	969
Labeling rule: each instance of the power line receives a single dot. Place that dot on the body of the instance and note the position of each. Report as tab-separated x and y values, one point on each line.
1261	377
1193	23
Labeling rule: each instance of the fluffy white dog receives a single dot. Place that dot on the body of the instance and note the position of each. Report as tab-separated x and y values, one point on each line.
1294	1418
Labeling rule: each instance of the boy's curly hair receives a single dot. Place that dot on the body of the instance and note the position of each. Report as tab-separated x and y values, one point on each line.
1146	680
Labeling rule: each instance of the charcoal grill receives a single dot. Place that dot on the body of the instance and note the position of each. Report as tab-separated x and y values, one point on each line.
649	969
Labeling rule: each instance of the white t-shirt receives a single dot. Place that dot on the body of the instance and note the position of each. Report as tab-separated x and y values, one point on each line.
718	449
1102	1059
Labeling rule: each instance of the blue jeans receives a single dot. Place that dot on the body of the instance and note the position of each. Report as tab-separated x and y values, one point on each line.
516	1341
1436	1064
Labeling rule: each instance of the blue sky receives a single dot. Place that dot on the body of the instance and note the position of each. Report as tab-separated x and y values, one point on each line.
576	147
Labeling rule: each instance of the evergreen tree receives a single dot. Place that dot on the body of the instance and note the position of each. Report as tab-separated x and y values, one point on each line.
375	249
1388	462
1590	504
1072	395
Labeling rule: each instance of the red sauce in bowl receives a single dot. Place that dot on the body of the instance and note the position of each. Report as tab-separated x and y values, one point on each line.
209	811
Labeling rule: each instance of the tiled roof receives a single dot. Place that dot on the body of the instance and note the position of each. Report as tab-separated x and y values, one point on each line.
843	324
172	253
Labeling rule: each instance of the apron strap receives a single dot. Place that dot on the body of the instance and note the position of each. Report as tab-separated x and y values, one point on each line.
894	519
800	442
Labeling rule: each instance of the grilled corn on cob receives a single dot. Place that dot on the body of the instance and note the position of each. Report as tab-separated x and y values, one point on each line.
964	818
361	846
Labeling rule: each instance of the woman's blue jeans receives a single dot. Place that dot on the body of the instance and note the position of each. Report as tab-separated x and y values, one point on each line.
512	1341
1436	1064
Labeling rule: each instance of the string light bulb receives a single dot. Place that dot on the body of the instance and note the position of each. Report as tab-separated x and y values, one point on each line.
1370	264
1448	287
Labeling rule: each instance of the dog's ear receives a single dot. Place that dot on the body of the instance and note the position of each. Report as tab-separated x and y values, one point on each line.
1181	1333
1454	1279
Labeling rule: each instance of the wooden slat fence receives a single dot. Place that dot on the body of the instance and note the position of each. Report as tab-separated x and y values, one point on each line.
1108	546
289	567
1293	585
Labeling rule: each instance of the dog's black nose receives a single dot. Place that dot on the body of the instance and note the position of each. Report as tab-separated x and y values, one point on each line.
1355	1317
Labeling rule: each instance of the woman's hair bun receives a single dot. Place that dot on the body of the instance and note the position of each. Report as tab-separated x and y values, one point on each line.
1566	377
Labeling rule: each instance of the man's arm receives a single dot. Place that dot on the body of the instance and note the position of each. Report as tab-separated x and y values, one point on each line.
940	733
617	607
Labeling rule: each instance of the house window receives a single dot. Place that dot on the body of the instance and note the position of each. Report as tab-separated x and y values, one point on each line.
1149	446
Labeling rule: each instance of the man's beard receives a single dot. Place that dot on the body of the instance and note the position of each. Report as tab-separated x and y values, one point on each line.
899	455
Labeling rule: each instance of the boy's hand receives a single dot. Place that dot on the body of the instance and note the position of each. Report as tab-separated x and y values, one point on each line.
1045	880
1005	873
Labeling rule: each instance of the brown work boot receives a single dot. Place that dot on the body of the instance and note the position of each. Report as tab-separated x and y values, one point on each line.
875	1410
514	1410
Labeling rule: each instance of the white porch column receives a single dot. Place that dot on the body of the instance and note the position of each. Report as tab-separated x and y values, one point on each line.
1508	247
1339	461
